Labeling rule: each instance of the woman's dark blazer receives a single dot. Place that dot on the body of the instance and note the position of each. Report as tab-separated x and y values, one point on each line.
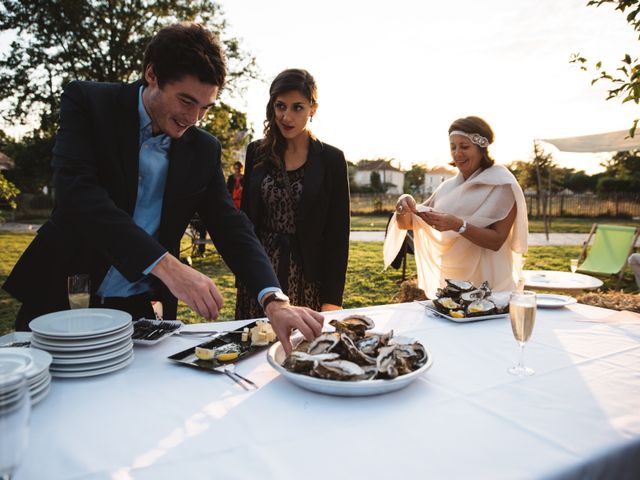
322	222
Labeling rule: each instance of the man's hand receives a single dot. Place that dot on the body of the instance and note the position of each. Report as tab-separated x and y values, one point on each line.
192	287
285	317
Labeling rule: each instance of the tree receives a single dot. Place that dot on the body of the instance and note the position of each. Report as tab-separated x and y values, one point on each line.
8	194
414	178
624	165
376	182
625	82
101	40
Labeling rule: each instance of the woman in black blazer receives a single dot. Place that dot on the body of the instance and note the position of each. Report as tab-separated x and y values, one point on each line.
296	192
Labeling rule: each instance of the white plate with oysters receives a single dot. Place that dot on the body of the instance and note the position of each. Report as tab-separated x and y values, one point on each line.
461	301
352	361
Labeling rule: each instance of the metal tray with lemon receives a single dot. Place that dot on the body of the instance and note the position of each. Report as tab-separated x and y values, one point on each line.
227	348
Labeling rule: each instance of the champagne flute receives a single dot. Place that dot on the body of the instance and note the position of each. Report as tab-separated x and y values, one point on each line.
522	309
574	265
15	409
79	290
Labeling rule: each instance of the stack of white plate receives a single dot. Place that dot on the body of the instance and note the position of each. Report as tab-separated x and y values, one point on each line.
84	342
37	372
13	368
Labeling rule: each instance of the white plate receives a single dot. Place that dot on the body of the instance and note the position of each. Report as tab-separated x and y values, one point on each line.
40	385
276	356
14	360
40	360
82	338
40	395
82	322
81	352
84	360
14	337
71	345
428	304
84	367
550	300
93	373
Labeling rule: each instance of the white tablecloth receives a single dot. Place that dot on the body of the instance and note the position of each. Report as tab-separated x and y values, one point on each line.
578	417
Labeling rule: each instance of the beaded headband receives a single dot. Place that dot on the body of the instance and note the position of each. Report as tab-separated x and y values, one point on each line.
474	137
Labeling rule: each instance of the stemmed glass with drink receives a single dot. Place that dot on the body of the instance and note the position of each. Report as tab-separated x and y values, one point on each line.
522	309
79	288
574	265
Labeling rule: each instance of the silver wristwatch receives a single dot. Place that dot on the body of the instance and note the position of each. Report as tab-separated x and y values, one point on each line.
273	297
463	228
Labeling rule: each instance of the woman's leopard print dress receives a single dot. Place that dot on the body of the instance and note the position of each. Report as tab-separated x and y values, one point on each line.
277	231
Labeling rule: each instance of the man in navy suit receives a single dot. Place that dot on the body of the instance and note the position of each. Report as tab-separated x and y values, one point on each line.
130	171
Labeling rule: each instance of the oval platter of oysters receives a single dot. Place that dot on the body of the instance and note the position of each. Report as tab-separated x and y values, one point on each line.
354	360
461	301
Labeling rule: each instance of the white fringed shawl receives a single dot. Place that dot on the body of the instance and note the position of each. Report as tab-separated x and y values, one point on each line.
481	200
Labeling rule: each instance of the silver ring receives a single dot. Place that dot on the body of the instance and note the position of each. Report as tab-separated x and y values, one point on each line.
400	208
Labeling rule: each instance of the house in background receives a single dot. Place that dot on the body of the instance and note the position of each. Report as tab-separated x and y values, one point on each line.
435	176
389	175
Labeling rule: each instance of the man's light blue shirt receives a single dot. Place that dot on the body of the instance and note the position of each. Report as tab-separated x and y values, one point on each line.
153	165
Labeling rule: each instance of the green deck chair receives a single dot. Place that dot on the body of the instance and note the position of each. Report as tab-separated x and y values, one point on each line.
611	248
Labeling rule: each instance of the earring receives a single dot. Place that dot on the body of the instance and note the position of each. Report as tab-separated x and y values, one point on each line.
311	119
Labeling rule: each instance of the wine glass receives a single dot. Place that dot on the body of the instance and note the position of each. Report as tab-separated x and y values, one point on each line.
522	309
574	265
15	409
79	290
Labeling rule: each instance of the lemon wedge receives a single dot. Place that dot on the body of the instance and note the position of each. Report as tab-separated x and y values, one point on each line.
204	353
457	314
225	357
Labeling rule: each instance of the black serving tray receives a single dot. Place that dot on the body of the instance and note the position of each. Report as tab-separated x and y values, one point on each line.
188	357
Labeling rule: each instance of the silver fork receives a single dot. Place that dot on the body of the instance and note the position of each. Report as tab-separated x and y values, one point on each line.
230	371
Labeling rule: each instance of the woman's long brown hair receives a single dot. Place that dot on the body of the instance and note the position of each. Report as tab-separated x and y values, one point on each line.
271	148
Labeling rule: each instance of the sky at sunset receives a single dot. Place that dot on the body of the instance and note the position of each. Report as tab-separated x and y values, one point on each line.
393	75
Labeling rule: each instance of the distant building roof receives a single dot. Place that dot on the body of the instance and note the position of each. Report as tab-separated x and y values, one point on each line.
441	169
376	165
6	163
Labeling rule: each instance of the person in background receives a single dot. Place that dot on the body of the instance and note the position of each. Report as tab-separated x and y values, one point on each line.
130	170
235	183
296	192
474	227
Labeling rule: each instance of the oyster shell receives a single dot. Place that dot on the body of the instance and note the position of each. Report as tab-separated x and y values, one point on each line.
459	285
301	362
324	343
354	326
480	307
467	297
338	370
353	354
446	304
386	362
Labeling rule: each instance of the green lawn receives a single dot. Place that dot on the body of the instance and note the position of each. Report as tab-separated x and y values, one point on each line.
564	225
367	283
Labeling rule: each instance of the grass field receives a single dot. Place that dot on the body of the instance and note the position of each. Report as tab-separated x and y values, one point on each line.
367	283
564	225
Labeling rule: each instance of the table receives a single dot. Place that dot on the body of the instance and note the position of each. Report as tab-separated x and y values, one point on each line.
578	417
564	281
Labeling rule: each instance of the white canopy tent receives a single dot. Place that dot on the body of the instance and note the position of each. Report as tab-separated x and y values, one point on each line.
602	142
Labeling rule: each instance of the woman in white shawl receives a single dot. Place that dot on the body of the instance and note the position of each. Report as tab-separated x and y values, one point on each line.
474	227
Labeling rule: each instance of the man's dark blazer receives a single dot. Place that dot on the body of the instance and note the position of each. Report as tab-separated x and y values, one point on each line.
322	222
95	164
